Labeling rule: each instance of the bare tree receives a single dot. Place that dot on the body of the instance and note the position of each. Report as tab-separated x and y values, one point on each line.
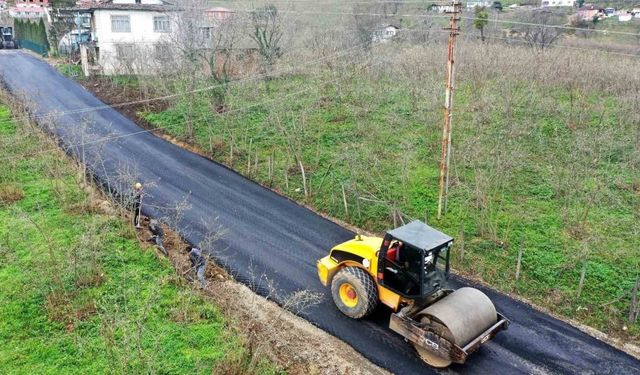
203	54
368	18
539	29
266	31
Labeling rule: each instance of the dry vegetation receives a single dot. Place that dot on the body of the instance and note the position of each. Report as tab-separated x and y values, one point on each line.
546	154
545	157
100	299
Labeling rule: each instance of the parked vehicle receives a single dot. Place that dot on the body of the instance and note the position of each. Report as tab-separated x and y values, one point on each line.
8	41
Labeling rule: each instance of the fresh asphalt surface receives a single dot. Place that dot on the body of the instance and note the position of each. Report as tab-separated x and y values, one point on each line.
270	239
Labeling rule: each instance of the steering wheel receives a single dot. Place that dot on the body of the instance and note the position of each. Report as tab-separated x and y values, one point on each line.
404	272
434	278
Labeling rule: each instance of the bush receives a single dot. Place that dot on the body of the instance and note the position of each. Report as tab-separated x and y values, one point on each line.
10	193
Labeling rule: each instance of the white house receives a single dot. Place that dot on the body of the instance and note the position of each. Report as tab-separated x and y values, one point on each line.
442	8
625	17
384	33
127	32
473	4
557	3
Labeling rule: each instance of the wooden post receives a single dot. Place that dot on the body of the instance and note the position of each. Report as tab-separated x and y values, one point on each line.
519	264
249	157
634	310
344	200
395	220
583	274
269	167
461	241
448	104
255	166
304	179
286	178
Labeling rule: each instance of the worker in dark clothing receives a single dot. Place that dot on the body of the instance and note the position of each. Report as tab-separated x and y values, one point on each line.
157	234
198	262
137	204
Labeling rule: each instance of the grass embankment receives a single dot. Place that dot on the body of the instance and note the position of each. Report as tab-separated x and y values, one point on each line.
78	293
545	161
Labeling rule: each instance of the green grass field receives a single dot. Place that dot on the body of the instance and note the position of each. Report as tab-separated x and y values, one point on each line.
545	168
78	294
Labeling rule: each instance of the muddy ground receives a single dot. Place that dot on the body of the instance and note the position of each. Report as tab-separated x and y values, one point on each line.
272	332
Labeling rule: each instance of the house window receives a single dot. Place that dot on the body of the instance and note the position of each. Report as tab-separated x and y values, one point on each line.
125	51
161	24
206	32
120	24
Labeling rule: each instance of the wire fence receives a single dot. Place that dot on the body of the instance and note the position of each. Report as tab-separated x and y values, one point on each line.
35	47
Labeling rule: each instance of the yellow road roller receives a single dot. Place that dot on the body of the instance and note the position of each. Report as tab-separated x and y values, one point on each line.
407	271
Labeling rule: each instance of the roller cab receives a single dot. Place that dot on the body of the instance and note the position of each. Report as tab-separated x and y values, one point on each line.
407	270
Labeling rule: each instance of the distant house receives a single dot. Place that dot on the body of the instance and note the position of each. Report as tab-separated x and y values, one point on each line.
557	3
625	17
442	8
213	18
589	12
218	14
473	4
126	33
384	33
42	3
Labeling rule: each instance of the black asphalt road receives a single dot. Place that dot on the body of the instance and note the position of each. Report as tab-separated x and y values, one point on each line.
272	239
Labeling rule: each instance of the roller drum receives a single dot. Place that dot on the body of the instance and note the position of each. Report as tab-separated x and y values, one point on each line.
465	313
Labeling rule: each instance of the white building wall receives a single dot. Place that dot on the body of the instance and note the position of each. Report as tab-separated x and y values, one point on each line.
140	40
156	2
557	3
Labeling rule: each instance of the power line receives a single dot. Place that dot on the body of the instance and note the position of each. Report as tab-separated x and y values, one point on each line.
347	2
166	97
443	17
555	45
142	101
558	26
105	139
196	91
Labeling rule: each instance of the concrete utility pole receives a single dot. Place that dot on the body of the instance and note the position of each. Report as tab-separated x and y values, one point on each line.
448	103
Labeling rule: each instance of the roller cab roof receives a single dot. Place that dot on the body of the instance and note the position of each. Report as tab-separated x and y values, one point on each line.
420	235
